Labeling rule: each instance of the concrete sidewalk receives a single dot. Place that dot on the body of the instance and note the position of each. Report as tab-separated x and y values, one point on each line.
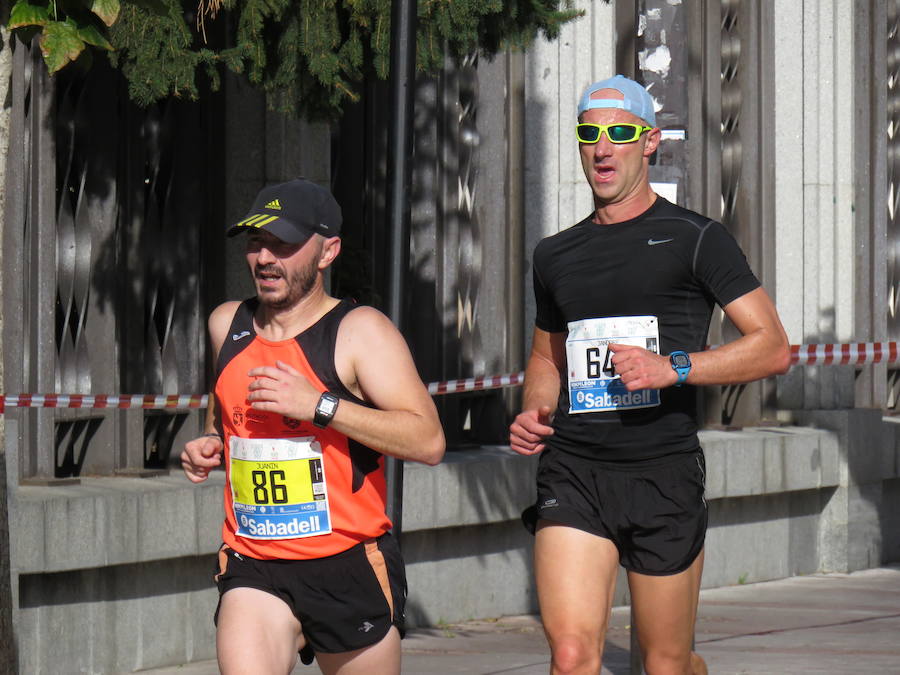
824	623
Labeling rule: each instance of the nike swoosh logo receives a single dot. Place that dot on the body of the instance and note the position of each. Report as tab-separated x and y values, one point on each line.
654	242
240	336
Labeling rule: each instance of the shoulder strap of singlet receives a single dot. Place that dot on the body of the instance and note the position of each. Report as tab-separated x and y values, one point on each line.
318	344
240	334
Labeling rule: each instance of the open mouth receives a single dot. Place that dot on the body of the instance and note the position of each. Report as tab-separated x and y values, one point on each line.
604	173
268	276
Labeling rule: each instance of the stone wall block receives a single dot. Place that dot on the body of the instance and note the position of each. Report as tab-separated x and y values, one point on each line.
829	457
774	460
210	514
743	466
713	444
73	528
470	487
121	534
862	437
853	519
803	464
864	538
739	527
456	574
167	522
27	552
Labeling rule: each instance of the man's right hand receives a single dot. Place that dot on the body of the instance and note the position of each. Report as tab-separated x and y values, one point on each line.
200	456
528	430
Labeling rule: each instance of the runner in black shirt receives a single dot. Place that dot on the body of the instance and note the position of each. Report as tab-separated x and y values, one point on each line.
624	300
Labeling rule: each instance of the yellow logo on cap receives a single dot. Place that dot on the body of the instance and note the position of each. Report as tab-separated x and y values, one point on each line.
258	220
274	204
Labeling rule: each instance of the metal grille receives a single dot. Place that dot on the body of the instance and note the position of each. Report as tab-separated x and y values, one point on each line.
461	245
462	225
470	253
106	212
731	113
731	106
893	177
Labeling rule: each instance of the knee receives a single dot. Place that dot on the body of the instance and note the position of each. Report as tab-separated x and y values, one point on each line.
575	654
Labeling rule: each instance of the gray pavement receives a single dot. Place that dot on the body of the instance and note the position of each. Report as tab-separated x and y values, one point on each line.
822	623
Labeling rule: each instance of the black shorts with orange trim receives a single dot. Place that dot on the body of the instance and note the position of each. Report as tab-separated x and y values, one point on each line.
653	510
343	602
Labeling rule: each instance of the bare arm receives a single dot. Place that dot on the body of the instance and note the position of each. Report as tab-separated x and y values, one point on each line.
372	358
541	392
761	351
204	453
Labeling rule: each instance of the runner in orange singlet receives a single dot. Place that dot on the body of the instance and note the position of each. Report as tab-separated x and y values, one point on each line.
311	392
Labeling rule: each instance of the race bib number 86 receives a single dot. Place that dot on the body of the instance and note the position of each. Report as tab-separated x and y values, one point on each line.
594	385
278	487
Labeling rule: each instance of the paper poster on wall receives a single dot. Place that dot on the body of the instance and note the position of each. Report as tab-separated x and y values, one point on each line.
666	190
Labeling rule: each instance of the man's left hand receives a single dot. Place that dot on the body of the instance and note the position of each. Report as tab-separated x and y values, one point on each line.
640	368
283	390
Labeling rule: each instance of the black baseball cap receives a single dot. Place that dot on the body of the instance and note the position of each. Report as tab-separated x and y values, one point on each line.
293	212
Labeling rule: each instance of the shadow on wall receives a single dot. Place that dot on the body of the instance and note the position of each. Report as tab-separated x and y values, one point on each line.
118	619
788	522
133	208
118	582
467	572
482	567
890	522
540	216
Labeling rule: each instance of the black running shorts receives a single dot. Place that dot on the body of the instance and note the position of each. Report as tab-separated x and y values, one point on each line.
653	510
343	602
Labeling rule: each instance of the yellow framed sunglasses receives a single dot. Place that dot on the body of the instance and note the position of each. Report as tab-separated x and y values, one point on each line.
616	133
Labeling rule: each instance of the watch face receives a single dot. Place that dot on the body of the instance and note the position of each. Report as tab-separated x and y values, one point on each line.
327	406
681	360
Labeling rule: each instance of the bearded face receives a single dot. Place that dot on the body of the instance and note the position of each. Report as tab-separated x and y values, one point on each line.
283	273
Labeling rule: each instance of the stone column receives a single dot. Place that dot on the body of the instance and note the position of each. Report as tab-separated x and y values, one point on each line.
556	193
831	284
815	221
8	656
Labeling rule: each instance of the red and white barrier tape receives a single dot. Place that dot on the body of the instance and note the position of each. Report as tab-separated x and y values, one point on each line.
856	354
476	384
123	401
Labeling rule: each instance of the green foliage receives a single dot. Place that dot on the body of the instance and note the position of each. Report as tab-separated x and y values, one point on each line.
26	14
64	35
311	56
106	10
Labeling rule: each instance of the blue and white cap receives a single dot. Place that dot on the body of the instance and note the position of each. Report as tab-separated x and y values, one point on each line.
636	99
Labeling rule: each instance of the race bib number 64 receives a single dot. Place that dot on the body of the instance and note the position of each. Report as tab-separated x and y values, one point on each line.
594	385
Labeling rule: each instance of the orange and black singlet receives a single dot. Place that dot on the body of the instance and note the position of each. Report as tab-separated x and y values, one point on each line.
293	491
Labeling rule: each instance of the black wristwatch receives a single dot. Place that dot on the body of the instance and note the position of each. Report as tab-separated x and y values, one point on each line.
681	364
325	409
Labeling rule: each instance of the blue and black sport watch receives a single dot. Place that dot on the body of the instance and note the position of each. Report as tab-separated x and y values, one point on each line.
681	364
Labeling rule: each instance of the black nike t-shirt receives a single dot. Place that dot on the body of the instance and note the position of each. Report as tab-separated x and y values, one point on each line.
669	263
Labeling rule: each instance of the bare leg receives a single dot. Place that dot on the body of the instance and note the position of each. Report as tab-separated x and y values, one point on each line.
256	633
576	577
665	611
382	658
